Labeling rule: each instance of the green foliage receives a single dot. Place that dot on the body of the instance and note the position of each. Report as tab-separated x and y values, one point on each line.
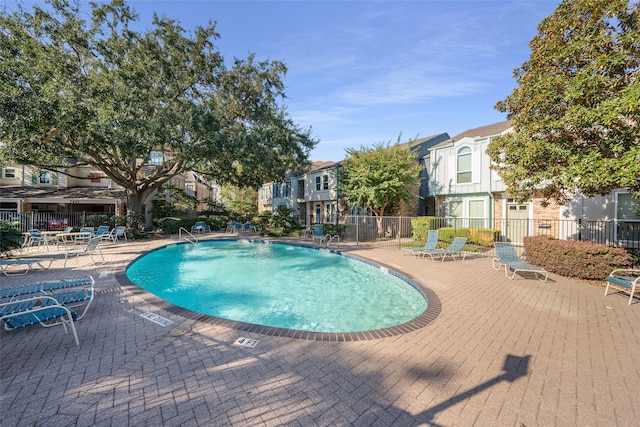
421	225
241	201
95	220
577	105
10	237
378	178
333	229
104	95
476	236
171	225
583	260
282	218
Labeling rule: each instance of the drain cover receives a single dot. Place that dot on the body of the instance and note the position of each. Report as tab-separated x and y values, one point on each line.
162	321
246	342
180	330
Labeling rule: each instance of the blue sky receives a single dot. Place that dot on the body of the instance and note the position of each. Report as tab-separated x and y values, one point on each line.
367	72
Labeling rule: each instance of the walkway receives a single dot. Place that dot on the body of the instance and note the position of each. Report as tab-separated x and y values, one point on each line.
500	353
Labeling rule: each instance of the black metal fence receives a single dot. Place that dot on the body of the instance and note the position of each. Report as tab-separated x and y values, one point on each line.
397	230
394	231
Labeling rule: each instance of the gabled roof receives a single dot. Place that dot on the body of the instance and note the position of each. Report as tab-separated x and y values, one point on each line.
417	142
483	131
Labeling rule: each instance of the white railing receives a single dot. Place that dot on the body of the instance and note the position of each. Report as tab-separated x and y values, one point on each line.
188	236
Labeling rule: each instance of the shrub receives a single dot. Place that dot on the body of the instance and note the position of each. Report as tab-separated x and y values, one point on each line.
10	237
420	226
582	260
475	236
332	229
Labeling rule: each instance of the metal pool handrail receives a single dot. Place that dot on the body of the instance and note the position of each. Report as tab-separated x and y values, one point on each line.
189	237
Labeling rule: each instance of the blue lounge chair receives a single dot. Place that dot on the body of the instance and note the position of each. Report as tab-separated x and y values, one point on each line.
430	244
73	293
103	229
200	227
27	263
41	309
89	232
506	256
625	280
455	248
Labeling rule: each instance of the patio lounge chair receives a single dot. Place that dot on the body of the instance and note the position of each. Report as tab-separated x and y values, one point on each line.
36	238
91	247
430	244
27	263
73	293
455	248
103	229
90	232
625	280
506	256
248	228
200	227
34	310
121	232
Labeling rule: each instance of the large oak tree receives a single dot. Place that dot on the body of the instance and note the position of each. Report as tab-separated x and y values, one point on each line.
101	94
576	110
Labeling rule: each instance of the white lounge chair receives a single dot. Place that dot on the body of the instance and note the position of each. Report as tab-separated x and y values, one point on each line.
27	263
91	247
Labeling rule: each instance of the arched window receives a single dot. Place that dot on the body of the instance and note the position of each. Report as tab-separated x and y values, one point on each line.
463	165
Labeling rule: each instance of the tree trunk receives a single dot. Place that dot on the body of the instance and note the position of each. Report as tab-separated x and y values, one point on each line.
135	206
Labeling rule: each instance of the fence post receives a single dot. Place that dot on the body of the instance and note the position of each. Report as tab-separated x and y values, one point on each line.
357	229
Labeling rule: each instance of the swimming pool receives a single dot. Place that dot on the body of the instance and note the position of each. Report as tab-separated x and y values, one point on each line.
279	286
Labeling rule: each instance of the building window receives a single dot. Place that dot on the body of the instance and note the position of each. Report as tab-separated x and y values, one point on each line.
318	184
190	189
45	177
476	213
628	216
463	165
330	213
10	173
155	158
287	189
455	208
277	190
95	176
628	208
325	182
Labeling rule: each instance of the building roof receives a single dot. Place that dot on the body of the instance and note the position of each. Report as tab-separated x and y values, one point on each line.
482	131
62	195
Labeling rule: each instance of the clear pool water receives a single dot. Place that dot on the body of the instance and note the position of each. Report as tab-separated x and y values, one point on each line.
278	285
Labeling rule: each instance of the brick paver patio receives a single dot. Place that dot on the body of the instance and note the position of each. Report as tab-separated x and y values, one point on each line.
500	353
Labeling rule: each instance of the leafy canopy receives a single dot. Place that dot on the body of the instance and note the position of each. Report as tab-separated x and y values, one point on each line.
576	110
99	93
378	178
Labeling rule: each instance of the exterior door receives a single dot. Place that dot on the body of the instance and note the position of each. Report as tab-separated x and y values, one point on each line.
517	222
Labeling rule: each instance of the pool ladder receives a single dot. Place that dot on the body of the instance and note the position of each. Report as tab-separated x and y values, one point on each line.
188	236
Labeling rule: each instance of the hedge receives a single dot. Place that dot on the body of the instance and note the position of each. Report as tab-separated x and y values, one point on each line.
582	260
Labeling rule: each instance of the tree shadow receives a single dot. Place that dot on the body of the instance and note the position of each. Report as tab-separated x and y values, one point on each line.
513	368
